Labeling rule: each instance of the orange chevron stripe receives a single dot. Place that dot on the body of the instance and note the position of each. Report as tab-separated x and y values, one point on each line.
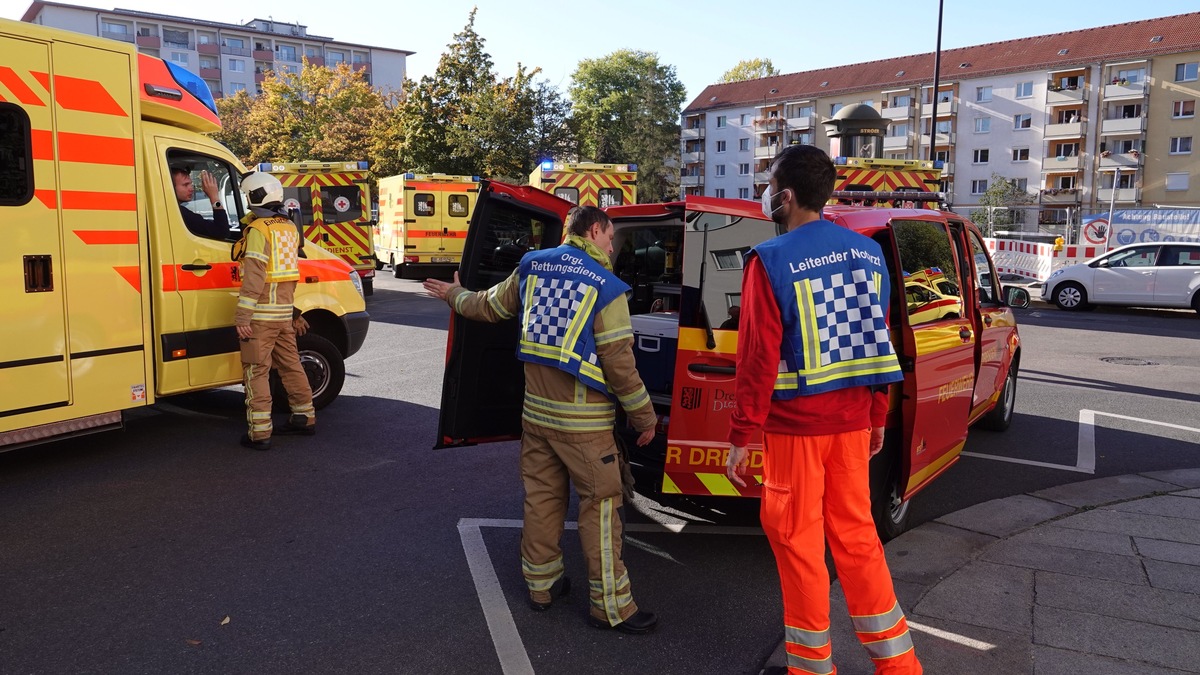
101	237
74	93
9	78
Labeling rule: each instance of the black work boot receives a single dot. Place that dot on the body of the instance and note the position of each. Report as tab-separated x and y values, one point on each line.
297	425
559	589
638	624
264	444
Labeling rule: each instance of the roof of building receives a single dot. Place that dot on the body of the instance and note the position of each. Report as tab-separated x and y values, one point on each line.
37	5
1137	39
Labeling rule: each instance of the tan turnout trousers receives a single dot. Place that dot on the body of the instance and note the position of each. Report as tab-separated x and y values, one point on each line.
273	344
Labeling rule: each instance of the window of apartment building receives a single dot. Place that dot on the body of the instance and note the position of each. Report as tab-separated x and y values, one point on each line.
720	146
334	58
720	170
983	125
1022	121
898	155
312	52
204	39
744	119
1131	75
237	66
941	156
744	168
1024	89
176	38
803	138
291	68
1067	117
942	127
898	131
110	27
1067	150
1020	154
1064	182
983	94
1177	181
1187	72
1020	184
981	156
235	87
835	107
743	144
208	63
1125	182
1183	109
360	58
901	101
719	193
179	57
979	187
805	111
720	121
1125	112
869	102
743	193
1122	145
1181	145
234	43
286	52
1071	81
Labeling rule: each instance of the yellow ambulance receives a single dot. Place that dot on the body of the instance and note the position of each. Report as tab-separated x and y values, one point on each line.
116	278
423	221
333	200
588	183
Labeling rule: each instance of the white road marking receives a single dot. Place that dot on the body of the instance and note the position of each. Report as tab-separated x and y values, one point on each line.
1085	459
350	362
952	637
510	649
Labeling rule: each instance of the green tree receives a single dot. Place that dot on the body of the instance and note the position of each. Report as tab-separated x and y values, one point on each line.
1002	204
626	109
234	112
749	69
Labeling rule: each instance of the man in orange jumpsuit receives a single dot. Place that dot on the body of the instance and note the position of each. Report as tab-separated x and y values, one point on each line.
814	361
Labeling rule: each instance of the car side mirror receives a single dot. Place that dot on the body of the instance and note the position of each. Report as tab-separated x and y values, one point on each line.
1102	263
1016	297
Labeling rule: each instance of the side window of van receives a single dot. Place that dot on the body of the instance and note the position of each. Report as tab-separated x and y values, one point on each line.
988	282
567	193
187	172
423	204
509	233
457	206
16	156
712	303
931	287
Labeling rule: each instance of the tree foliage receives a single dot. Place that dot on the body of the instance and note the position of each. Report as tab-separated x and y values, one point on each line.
626	109
749	69
1006	201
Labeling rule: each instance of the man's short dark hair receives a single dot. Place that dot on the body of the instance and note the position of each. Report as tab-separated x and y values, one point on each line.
180	171
581	219
808	172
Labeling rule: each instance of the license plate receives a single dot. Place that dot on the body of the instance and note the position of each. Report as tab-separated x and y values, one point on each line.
441	259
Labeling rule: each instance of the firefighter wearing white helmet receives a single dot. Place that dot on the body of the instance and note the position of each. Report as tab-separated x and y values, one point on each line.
267	322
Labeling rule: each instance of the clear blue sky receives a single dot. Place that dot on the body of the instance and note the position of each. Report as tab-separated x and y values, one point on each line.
701	38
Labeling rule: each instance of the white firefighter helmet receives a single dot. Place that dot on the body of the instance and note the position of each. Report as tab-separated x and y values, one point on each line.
262	189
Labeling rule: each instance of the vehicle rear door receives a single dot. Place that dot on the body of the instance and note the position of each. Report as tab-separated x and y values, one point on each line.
346	216
1126	277
484	384
937	352
1177	276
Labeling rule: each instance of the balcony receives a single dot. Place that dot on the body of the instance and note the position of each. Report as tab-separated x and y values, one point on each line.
770	125
361	66
235	51
149	41
1066	96
1119	159
264	55
1124	91
691	181
1065	130
1061	164
900	112
692	157
942	138
766	151
210	73
208	48
259	76
317	61
116	35
802	122
1105	195
945	109
762	177
948	169
894	143
1130	125
1060	196
693	134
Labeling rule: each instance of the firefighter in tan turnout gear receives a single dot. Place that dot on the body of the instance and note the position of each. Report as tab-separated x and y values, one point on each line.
267	323
577	345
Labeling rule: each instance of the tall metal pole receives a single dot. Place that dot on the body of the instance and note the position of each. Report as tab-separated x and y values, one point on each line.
937	76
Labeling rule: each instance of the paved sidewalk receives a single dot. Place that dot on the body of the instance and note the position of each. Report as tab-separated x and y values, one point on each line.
1100	577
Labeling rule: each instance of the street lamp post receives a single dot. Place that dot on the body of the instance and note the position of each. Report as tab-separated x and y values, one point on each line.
937	75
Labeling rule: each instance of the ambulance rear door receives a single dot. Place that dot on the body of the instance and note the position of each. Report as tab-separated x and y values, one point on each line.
346	215
484	384
456	217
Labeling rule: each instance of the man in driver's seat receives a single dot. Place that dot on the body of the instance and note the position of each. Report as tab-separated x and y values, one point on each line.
216	227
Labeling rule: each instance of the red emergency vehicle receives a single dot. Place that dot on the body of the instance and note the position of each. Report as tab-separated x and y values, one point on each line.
683	261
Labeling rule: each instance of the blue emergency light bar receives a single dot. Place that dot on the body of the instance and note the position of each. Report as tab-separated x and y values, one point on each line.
633	167
548	165
364	165
192	82
410	175
264	166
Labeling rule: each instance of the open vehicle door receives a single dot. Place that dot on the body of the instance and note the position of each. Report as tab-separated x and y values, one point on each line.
484	384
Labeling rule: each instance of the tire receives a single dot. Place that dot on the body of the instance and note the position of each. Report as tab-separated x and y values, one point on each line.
326	371
368	286
1196	302
1000	417
397	269
378	264
1070	296
889	512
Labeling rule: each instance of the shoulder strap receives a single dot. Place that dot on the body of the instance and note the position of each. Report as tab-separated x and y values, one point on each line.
238	250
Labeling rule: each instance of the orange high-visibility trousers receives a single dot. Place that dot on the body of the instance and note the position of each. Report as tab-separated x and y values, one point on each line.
817	488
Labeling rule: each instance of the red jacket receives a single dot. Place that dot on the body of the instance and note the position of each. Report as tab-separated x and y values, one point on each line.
760	336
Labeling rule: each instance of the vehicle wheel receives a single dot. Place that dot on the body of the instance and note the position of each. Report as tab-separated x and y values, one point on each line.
368	286
999	417
397	269
1070	296
378	264
889	511
326	371
1196	302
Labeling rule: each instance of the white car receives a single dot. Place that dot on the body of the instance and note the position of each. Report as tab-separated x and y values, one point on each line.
1165	274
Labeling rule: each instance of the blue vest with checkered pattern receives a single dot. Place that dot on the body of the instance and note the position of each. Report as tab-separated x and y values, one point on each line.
561	291
832	289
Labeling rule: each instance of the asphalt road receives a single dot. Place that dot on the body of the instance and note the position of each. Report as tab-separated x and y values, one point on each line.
168	548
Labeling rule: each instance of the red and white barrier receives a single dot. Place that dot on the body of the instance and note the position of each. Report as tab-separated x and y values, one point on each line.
1036	260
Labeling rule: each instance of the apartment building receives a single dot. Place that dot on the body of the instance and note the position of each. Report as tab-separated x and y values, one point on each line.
1078	120
229	57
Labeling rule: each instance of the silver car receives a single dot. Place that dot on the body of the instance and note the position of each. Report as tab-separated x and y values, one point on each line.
1165	274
